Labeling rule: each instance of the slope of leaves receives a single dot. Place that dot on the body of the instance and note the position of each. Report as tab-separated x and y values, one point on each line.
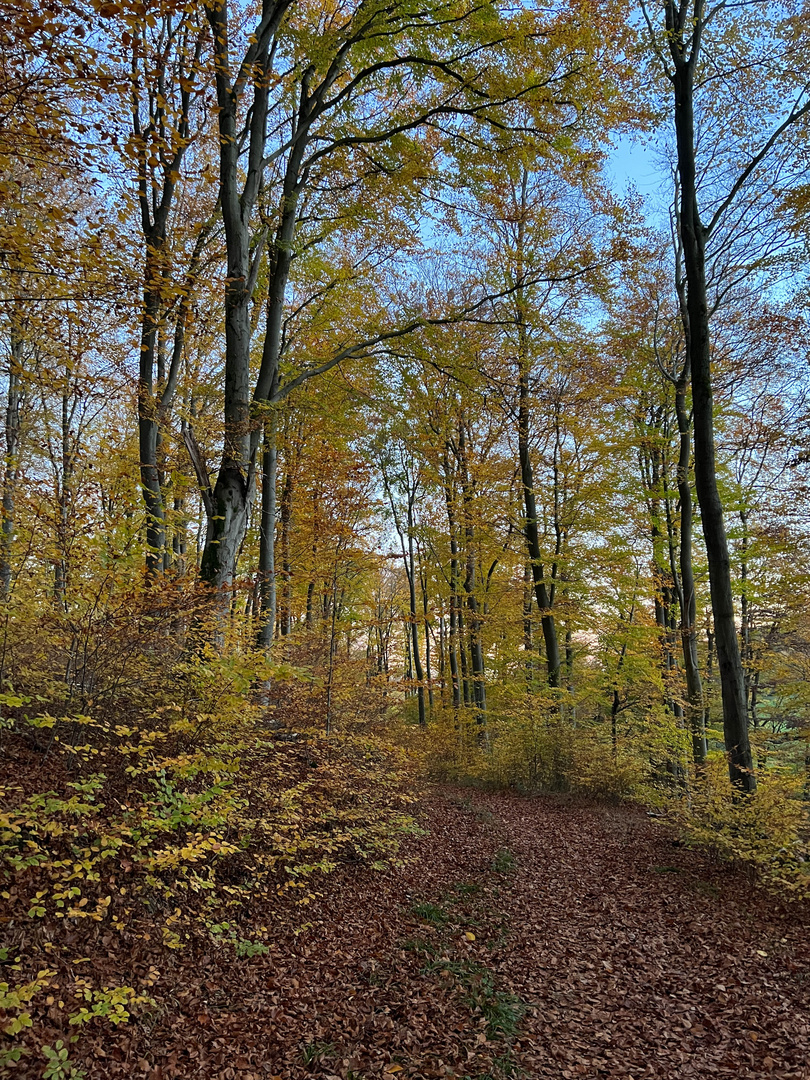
537	937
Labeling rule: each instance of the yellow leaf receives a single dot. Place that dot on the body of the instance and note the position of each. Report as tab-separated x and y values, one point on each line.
469	936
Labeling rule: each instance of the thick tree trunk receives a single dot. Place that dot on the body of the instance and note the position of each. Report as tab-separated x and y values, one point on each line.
732	679
239	184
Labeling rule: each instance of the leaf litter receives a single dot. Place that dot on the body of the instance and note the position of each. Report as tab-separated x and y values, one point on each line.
537	937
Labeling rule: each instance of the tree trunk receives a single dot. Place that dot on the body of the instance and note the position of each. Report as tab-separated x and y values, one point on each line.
286	565
686	592
147	405
426	624
239	184
410	566
530	528
532	535
11	463
732	679
267	532
453	635
470	588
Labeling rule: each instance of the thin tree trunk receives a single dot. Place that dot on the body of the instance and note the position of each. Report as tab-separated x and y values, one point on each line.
426	624
470	586
11	462
267	531
453	635
531	533
530	527
412	615
686	594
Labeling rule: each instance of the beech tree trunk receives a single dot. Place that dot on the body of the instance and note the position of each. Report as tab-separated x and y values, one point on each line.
470	584
267	530
686	588
542	593
12	448
530	530
693	238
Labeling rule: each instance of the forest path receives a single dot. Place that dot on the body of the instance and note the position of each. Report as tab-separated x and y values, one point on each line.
526	937
639	958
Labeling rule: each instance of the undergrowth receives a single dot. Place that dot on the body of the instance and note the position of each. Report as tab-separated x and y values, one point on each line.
767	832
193	818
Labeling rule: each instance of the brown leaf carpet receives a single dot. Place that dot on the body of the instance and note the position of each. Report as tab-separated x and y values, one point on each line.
630	956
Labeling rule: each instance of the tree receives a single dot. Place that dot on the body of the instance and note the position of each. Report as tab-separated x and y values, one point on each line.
681	50
166	88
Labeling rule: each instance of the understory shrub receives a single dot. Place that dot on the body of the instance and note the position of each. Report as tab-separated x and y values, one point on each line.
537	751
188	810
768	831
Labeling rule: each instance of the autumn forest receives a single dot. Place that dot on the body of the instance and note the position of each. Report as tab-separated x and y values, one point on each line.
404	538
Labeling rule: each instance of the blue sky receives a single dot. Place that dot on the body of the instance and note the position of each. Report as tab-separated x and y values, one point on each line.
634	164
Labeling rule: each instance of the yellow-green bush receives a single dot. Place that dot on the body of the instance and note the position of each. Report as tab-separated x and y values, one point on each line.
533	750
767	830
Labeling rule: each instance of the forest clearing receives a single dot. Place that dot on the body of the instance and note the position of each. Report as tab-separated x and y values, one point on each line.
404	538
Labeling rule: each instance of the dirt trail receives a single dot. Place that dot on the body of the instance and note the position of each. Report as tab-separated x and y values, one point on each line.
642	959
528	937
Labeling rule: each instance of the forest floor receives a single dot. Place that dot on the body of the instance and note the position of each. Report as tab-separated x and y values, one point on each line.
535	937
